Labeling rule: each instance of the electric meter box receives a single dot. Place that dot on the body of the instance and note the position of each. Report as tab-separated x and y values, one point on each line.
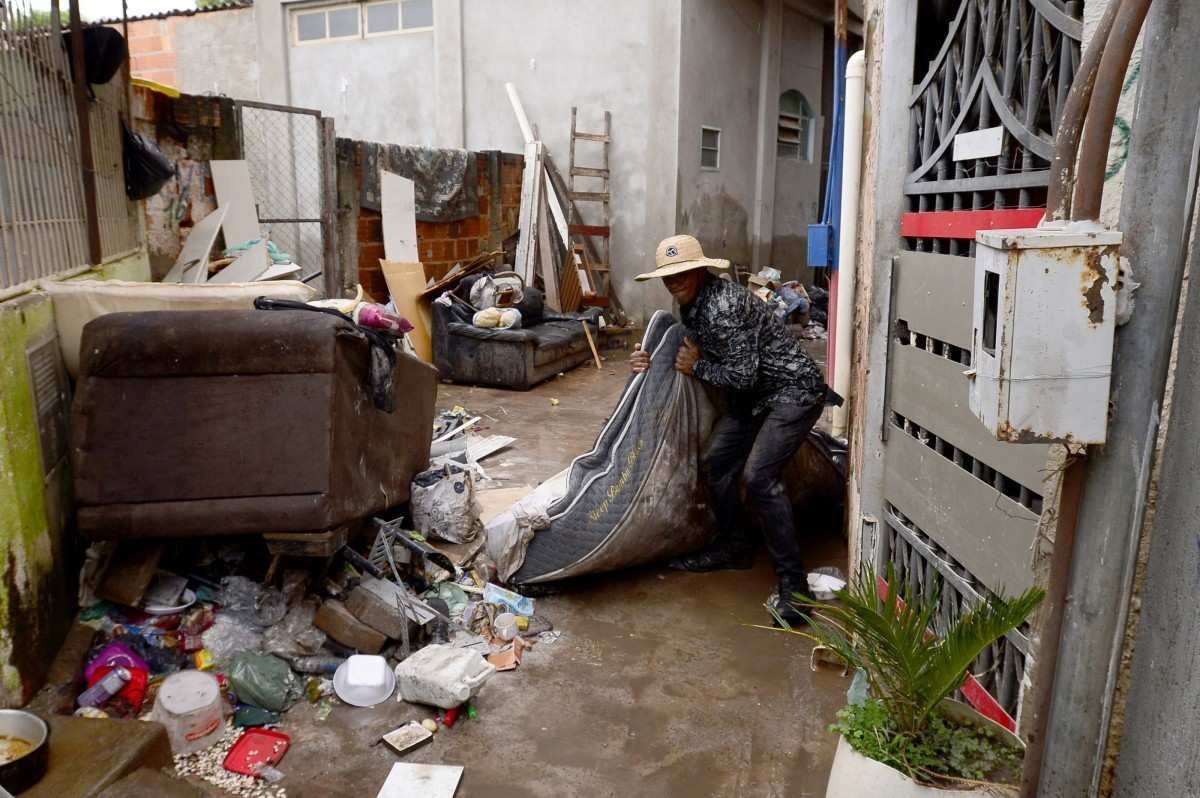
1042	344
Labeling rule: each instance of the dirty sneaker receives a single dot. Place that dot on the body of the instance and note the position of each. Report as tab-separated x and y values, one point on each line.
784	605
718	557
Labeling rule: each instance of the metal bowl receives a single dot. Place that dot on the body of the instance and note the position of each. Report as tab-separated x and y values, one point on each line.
25	771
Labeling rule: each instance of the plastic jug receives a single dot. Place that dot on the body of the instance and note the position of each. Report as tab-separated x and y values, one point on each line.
442	676
189	705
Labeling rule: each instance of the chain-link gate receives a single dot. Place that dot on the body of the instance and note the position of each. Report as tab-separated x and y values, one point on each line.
284	150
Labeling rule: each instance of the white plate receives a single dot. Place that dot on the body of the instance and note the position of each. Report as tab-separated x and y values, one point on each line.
187	599
361	697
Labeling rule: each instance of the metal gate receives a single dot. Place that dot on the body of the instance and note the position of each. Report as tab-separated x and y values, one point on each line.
957	504
288	152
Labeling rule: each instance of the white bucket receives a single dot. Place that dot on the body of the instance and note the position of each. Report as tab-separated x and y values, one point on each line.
189	705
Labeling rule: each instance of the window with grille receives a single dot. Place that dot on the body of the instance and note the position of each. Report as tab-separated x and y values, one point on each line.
710	148
794	140
358	20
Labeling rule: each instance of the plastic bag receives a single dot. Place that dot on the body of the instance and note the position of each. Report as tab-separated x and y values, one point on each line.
295	635
498	318
442	676
263	680
508	535
228	635
146	168
444	506
250	602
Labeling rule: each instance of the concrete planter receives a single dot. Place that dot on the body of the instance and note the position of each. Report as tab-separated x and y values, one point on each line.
854	775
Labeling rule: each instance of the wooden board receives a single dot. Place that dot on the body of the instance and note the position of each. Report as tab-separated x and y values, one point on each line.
306	544
250	265
398	205
235	193
406	283
197	248
545	252
531	182
130	572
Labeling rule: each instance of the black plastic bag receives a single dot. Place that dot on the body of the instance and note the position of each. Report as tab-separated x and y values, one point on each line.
104	51
146	168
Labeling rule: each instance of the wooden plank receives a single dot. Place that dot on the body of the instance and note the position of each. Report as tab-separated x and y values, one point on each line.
406	282
964	224
306	544
527	224
332	270
588	229
589	196
235	193
592	345
196	249
399	209
545	252
592	137
588	171
250	265
130	572
931	391
984	530
555	205
519	111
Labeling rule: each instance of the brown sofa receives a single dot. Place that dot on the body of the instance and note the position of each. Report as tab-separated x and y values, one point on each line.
193	423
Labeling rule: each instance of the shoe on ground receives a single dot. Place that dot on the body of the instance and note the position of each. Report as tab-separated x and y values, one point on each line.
715	558
787	607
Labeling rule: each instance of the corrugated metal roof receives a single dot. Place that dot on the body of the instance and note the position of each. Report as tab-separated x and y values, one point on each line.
182	12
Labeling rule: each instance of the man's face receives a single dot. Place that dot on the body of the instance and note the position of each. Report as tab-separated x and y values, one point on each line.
685	285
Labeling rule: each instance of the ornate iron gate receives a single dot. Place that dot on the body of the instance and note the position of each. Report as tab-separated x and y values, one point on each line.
285	150
958	505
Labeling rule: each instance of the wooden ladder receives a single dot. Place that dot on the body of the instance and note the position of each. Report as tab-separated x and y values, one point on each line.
598	273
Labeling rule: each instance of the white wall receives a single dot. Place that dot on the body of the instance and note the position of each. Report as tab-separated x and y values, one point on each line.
619	55
798	183
719	77
217	53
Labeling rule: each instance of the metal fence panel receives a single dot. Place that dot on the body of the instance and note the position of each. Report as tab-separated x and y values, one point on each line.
117	216
282	148
43	225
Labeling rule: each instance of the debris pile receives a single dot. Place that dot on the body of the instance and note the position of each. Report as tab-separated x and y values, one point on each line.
219	643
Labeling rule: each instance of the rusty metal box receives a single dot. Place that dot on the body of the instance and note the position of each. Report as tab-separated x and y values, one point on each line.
1042	340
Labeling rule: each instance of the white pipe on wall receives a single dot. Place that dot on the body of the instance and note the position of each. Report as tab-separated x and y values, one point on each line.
856	71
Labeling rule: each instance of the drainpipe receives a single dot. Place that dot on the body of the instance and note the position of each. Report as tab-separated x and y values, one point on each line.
856	71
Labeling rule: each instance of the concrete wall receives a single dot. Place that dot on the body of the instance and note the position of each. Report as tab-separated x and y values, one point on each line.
798	183
621	56
719	78
377	89
217	53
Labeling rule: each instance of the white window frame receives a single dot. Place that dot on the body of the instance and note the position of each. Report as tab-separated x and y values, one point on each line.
400	19
296	11
710	129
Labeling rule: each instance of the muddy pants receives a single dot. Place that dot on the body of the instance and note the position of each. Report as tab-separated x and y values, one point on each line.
754	450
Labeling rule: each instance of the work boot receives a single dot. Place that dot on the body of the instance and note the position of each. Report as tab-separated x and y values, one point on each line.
720	556
786	605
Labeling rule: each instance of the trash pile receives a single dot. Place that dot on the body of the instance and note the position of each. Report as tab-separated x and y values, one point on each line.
218	644
792	302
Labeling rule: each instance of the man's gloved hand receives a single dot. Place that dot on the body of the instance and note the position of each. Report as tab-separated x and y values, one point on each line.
639	361
687	357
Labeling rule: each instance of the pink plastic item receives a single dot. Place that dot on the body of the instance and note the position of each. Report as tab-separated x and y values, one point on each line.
371	315
112	655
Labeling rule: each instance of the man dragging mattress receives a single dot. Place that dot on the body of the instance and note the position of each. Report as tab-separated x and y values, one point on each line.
775	393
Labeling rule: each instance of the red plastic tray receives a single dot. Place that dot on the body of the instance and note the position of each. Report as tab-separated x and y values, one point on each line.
254	748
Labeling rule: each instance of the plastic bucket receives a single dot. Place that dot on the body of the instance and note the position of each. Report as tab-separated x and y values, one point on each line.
189	705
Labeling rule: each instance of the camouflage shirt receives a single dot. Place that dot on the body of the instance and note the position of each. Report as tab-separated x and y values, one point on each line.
746	350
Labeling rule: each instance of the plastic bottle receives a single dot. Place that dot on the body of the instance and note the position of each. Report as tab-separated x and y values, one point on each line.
105	688
319	664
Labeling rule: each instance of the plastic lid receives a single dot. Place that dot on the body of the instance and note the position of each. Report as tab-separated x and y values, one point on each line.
188	691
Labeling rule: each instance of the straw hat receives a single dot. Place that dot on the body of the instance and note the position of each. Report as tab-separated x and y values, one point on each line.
680	254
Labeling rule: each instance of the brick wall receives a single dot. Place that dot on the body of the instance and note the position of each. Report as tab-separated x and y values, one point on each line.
439	244
151	52
191	131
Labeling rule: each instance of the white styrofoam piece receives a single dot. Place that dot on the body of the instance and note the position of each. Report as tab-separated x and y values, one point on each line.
235	193
247	268
365	670
412	780
1047	377
278	270
398	207
985	143
197	246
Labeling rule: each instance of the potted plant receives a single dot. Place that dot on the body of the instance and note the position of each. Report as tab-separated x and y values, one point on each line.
906	737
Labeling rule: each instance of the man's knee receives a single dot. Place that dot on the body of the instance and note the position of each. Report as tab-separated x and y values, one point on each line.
763	483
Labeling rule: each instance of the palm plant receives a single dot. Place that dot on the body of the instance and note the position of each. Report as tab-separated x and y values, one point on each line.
910	670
